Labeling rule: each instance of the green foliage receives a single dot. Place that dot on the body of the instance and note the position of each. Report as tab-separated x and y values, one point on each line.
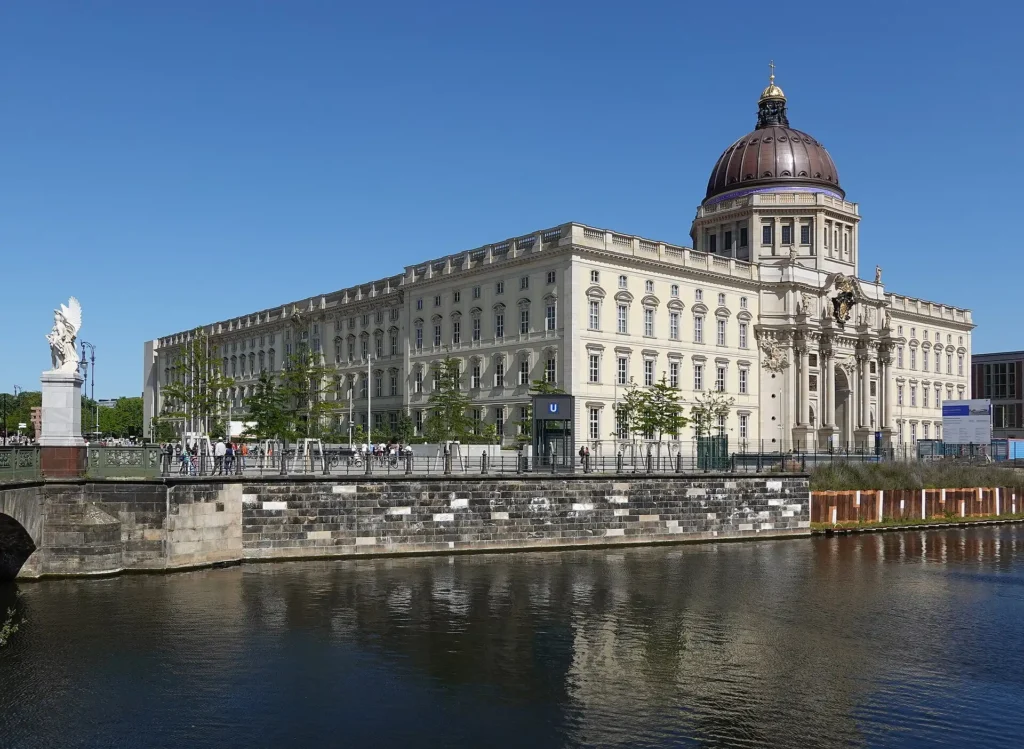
266	411
490	434
163	430
655	411
19	411
446	410
358	435
123	420
406	429
851	476
11	624
705	413
194	396
303	382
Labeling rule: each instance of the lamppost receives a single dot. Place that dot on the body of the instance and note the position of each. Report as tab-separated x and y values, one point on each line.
92	383
6	398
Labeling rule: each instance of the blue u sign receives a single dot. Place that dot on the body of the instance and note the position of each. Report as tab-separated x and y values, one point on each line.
553	408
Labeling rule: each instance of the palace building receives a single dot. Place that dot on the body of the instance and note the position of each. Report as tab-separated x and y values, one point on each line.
767	306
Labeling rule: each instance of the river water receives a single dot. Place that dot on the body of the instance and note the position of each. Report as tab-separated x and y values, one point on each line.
900	639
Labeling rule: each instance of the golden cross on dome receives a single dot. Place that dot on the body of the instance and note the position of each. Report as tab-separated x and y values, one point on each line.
771	64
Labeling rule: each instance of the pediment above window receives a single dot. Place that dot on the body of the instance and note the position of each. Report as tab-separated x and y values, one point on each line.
595	292
699	308
723	312
675	305
650	301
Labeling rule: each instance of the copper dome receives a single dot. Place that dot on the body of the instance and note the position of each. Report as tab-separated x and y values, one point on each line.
773	156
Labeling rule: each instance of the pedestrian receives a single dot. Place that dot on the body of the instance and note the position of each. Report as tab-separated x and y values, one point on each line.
218	456
245	454
193	455
583	454
229	456
183	459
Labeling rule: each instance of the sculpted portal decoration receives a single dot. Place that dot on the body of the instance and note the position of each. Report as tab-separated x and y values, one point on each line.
67	321
844	299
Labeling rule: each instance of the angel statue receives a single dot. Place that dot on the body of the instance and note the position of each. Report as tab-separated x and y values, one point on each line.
67	321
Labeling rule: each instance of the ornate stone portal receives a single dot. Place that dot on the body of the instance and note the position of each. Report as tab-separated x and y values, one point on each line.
63	448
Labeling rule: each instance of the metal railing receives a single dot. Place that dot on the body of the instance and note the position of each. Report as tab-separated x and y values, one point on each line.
19	463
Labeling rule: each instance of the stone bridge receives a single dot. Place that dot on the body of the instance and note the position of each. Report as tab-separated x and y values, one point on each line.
95	527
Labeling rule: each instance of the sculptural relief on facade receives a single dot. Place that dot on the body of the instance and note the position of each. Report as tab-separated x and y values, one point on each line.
845	298
774	357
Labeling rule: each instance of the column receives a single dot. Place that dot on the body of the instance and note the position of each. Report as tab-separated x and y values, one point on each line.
865	377
829	389
886	416
805	387
854	407
793	385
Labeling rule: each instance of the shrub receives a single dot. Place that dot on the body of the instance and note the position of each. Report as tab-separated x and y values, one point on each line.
850	476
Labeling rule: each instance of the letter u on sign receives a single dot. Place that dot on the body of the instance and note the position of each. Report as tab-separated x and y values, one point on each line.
553	408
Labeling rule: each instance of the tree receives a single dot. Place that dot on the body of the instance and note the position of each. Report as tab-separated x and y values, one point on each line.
446	409
267	411
302	381
631	411
710	408
537	387
406	429
666	410
162	430
124	419
194	397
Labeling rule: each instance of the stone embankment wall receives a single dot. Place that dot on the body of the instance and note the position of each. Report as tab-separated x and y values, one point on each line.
103	527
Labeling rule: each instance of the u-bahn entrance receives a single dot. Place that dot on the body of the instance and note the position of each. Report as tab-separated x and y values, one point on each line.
554	445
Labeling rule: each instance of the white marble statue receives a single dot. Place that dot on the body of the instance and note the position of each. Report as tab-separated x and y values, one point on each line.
67	321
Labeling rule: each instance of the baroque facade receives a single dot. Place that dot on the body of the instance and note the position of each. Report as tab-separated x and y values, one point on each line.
767	306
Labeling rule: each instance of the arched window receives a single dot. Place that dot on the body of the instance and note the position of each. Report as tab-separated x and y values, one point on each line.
263	366
270	359
234	366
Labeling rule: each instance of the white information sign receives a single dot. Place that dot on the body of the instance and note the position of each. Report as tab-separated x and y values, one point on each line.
967	422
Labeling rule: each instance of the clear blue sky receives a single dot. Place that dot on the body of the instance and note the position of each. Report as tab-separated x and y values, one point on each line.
177	163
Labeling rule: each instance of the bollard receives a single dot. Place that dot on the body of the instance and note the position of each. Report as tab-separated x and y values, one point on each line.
618	463
447	464
679	462
586	464
327	470
483	462
408	464
368	463
650	462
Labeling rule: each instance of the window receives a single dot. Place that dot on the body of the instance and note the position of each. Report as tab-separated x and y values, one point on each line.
924	397
394	344
766	234
949	364
622	282
960	365
743	426
698	376
648	322
712	243
913	332
721	300
873	389
476	292
675	291
363	384
924	431
743	381
364	346
595	423
594	322
899	395
418	381
524	416
787	234
524	282
720	378
622	318
549	370
270	359
673	325
437	334
499	287
419	339
524	371
499	325
394	383
551	276
673	374
499	372
418	422
622	370
698	295
499	421
524	321
378	385
648	287
899	357
728	241
595	368
924	361
805	233
998	380
437	303
457	297
743	335
913	358
549	317
960	341
743	236
476	328
720	332
595	276
648	372
743	302
698	329
474	376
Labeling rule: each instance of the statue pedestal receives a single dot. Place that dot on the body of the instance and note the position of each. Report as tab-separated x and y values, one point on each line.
63	449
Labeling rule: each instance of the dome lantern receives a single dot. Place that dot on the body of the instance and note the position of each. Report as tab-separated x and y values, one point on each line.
771	107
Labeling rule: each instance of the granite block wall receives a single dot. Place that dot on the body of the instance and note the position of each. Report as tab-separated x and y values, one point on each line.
102	527
454	514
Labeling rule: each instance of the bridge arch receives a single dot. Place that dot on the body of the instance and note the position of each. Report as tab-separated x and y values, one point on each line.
21	528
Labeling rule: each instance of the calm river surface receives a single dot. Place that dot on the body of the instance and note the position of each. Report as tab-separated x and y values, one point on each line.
909	639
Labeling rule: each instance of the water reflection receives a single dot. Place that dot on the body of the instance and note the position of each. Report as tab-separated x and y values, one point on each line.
876	639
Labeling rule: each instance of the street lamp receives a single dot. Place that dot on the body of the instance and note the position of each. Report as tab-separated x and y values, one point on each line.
92	385
6	398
